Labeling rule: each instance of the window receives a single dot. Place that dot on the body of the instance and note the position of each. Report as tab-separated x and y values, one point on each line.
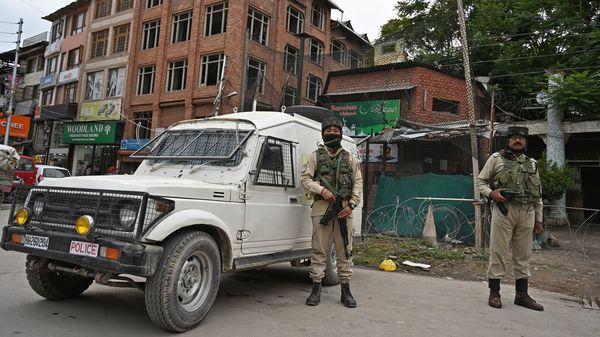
145	84
116	82
212	66
318	16
150	34
338	52
71	93
121	39
47	97
124	5
313	89
257	71
103	8
316	51
35	91
153	3
291	59
56	31
73	59
182	24
143	122
216	19
40	63
356	60
275	166
443	105
258	25
78	23
52	65
295	20
30	66
289	96
99	43
93	85
388	48
176	73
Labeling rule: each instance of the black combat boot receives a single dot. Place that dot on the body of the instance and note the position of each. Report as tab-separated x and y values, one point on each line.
494	299
315	296
523	299
347	298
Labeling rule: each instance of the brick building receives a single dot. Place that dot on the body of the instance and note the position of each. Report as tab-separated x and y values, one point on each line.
59	85
179	48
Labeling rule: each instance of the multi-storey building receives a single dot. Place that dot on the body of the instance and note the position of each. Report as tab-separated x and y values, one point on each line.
191	59
60	83
103	76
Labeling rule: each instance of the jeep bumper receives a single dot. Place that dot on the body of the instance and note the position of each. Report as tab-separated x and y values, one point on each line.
134	258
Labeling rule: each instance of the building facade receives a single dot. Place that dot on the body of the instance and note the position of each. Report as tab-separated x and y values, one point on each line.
190	59
59	85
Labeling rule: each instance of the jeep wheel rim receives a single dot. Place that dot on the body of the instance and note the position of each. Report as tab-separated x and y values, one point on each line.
194	281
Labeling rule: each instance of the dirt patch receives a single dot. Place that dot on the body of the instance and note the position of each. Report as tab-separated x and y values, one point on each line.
573	268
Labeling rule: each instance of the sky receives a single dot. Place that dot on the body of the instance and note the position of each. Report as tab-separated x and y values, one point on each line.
365	18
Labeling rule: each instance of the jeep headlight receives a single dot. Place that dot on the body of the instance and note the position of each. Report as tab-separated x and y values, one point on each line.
38	206
127	215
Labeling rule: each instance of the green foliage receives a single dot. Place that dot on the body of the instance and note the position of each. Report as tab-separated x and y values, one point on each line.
513	42
578	93
555	180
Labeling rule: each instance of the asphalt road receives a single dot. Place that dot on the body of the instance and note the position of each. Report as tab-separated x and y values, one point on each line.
270	302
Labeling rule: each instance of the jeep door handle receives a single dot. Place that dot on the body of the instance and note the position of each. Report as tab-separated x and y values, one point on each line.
293	199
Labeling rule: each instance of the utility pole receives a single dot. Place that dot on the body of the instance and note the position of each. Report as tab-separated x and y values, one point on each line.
13	85
471	106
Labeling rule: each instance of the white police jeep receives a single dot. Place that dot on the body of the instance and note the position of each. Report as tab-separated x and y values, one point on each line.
211	196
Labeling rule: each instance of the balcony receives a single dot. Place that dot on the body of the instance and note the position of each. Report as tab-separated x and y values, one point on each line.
57	112
53	48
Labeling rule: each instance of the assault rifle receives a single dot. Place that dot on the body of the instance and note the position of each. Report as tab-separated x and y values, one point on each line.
507	194
332	212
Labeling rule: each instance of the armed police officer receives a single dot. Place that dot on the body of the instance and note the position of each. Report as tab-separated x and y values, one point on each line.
511	180
332	176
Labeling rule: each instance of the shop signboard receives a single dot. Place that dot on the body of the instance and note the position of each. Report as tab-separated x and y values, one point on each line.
48	80
133	144
19	126
109	109
90	133
376	153
363	117
68	76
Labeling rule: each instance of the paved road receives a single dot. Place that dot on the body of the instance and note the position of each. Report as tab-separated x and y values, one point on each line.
271	303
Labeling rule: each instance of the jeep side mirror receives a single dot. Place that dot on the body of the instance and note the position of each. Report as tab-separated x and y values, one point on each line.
272	158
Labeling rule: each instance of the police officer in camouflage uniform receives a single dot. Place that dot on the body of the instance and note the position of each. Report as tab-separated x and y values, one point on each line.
511	180
329	171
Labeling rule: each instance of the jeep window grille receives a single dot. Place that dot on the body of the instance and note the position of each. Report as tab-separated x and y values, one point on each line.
220	147
275	164
125	215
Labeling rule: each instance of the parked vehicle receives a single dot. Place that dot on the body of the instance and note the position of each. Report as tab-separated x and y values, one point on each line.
47	171
213	195
26	170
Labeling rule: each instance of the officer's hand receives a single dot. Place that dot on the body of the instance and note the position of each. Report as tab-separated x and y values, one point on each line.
345	212
327	195
537	228
497	197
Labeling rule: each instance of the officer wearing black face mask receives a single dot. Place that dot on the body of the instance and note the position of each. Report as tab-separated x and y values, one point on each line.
332	171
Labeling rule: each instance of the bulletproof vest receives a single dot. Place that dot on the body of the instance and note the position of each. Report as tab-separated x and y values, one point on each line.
335	174
520	176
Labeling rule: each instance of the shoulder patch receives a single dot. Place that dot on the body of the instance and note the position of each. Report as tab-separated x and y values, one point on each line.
496	154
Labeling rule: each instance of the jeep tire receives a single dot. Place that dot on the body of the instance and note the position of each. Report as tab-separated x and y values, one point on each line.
331	277
56	285
184	287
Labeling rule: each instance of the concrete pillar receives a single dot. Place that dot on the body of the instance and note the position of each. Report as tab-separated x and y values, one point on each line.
555	148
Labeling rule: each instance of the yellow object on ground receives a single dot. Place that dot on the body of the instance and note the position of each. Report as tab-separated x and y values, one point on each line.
387	265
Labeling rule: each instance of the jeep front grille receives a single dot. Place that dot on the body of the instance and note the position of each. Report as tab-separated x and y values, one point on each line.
57	208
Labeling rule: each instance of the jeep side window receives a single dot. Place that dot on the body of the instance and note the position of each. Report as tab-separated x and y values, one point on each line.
275	165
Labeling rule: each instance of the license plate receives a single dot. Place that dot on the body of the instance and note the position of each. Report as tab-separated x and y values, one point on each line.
84	248
34	241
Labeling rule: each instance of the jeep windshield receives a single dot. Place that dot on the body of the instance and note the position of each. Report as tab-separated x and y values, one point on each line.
218	147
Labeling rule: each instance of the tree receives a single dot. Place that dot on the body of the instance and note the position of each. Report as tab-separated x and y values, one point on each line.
513	42
555	180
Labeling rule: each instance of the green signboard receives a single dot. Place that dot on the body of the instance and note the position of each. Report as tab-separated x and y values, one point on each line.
365	116
90	133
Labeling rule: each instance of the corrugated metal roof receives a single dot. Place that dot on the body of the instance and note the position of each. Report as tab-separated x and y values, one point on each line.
370	88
